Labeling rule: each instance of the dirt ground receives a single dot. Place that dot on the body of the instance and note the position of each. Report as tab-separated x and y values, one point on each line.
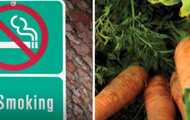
79	59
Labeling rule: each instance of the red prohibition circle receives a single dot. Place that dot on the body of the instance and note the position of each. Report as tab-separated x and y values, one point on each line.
34	57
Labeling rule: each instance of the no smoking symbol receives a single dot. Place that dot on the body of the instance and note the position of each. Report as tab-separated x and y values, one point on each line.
33	57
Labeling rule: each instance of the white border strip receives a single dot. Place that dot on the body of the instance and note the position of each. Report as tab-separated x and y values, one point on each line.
93	57
64	73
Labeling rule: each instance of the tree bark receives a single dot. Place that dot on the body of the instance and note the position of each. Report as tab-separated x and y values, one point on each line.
79	59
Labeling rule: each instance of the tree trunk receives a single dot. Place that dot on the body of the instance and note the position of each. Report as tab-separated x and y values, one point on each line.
79	59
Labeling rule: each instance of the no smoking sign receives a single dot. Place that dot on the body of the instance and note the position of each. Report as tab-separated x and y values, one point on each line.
31	37
32	45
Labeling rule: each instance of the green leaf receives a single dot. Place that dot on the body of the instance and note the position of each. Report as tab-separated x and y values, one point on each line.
185	9
154	1
187	102
170	2
165	2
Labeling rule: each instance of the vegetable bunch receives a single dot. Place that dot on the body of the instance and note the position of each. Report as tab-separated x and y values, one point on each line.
129	84
158	94
137	33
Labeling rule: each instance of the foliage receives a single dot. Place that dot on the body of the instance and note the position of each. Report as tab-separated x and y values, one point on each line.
185	9
165	2
136	33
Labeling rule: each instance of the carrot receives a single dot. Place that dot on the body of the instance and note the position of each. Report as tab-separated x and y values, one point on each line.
176	92
158	101
182	61
121	90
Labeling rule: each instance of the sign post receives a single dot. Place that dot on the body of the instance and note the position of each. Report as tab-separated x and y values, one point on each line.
32	68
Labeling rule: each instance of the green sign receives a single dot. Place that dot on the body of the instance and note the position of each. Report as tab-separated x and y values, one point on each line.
32	36
30	98
32	53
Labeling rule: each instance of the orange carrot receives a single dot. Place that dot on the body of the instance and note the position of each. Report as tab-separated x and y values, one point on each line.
182	60
124	88
176	92
158	101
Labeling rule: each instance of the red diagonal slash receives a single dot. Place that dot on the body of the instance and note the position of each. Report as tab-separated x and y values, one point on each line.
34	57
14	38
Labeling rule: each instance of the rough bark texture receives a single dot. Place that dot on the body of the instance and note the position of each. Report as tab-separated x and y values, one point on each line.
79	59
